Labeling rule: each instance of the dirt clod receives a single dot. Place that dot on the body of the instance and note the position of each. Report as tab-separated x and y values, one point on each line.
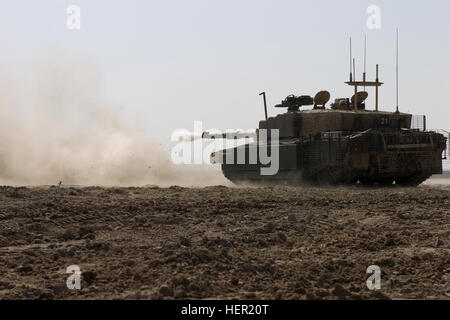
341	292
165	291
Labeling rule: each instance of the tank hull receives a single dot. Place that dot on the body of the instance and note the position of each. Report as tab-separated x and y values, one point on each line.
371	157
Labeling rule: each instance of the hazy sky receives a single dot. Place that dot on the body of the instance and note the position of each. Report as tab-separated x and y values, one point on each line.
168	63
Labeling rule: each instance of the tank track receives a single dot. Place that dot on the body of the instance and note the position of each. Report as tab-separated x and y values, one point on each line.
325	178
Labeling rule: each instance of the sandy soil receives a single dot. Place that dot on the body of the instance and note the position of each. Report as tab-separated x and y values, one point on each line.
219	242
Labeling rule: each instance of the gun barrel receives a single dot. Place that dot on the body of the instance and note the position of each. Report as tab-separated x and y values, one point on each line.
238	134
187	136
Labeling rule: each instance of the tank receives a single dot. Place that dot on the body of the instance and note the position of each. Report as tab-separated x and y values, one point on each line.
343	144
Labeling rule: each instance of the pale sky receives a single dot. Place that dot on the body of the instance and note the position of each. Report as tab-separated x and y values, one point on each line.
168	63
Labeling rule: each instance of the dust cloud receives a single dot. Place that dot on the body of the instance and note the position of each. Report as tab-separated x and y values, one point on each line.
55	128
440	179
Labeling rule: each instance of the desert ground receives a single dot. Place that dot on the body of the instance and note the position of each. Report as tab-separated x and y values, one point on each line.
225	242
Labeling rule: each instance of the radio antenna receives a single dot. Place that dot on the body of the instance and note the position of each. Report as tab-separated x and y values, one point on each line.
396	74
351	77
364	73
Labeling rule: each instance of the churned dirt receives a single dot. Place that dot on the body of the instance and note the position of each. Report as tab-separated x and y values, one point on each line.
220	242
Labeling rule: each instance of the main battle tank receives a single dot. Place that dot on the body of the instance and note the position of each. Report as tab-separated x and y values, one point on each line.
344	144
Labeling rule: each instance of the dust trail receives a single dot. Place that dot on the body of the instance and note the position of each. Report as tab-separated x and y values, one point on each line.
55	127
439	180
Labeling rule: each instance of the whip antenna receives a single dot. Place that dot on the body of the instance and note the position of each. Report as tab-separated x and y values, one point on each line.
351	77
396	74
364	72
